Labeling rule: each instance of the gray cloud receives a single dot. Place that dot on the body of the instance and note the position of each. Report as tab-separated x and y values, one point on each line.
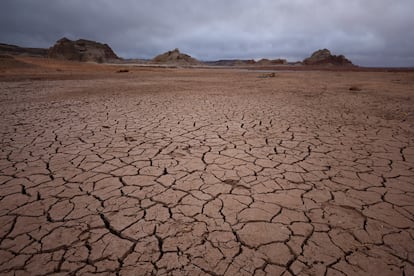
369	32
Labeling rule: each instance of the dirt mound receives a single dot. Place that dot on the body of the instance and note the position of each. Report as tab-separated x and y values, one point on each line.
82	50
175	57
324	57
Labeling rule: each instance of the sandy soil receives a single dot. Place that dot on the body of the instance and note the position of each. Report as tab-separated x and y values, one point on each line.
205	172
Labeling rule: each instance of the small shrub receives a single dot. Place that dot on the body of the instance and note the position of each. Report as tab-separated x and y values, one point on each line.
354	88
122	71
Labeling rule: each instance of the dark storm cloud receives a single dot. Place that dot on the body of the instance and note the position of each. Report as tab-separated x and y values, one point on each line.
369	32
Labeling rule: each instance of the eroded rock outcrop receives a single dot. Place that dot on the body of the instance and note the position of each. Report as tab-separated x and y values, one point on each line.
324	57
82	50
175	57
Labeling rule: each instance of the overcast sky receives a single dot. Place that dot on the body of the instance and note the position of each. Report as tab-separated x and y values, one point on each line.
369	32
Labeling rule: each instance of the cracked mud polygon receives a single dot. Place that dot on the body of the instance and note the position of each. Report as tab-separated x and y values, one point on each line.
207	172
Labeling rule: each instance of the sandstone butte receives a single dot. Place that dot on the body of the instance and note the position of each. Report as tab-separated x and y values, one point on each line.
82	50
324	57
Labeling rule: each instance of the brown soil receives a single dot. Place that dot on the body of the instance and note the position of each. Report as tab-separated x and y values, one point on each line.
205	171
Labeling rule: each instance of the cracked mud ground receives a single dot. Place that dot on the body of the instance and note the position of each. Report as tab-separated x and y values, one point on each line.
207	172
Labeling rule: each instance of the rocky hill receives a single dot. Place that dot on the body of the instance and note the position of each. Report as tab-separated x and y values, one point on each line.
266	62
82	50
175	57
324	57
7	49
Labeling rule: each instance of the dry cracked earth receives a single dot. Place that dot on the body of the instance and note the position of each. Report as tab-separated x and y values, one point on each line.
207	172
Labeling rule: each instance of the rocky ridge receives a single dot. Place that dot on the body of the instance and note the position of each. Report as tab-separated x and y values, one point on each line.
7	49
265	61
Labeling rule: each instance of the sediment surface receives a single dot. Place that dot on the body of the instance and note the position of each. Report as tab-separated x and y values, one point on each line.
207	172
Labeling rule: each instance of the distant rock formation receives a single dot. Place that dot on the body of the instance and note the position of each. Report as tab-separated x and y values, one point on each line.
82	50
324	57
7	49
242	62
175	57
265	61
246	62
230	62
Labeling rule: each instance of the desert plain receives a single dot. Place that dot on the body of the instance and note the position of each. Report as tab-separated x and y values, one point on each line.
179	171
